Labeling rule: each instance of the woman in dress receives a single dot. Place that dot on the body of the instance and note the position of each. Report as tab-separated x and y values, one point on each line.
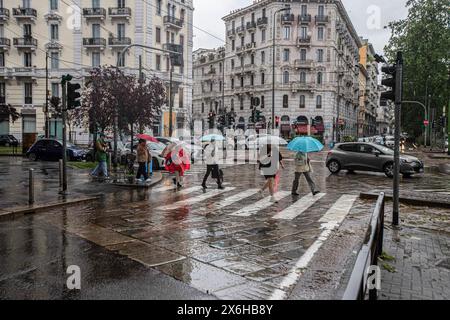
176	161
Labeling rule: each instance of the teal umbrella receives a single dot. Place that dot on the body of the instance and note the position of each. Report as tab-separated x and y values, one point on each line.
305	145
211	137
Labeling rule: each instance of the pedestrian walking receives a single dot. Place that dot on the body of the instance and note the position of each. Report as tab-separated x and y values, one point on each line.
270	160
303	167
101	147
212	166
176	161
143	158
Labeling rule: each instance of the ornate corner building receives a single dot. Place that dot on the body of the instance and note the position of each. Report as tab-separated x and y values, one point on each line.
78	35
317	69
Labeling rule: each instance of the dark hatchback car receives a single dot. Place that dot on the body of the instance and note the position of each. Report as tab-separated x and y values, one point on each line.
8	140
51	150
370	157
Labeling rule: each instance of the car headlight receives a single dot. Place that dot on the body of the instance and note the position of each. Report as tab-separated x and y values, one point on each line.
405	161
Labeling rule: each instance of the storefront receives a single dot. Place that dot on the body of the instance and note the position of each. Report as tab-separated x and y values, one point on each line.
285	127
301	125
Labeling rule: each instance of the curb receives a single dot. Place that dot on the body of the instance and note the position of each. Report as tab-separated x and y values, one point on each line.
407	200
141	186
13	213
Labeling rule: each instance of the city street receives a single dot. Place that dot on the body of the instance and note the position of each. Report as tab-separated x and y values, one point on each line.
196	244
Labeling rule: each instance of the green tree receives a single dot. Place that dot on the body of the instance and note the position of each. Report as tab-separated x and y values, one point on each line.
424	39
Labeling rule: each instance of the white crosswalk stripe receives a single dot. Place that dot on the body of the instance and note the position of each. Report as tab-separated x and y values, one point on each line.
180	192
299	207
195	199
260	205
236	198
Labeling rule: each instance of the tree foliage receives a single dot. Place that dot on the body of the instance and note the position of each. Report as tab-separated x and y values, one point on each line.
424	39
7	111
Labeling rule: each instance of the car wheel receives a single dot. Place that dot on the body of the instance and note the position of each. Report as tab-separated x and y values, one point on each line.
334	166
32	156
389	170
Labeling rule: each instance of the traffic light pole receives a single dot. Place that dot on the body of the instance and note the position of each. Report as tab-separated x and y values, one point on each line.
448	126
398	106
64	138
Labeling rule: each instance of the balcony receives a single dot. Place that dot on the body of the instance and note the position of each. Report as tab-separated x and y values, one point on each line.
172	22
25	72
25	13
287	18
94	13
119	42
94	43
250	68
5	73
322	19
303	64
5	44
240	30
250	46
262	22
211	72
304	41
173	47
4	14
251	26
25	43
304	19
301	86
120	13
53	45
231	33
240	50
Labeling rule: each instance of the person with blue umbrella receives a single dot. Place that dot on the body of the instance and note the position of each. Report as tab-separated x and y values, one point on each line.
303	146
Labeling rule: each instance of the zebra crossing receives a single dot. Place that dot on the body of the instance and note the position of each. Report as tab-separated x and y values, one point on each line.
251	202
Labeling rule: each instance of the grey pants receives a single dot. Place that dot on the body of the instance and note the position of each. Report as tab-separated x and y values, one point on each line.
311	183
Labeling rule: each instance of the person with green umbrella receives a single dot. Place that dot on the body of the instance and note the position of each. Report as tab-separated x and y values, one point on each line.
303	146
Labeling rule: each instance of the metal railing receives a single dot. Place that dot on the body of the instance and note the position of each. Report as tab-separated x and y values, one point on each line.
5	42
125	41
4	13
94	12
94	42
24	12
27	41
368	256
173	21
119	11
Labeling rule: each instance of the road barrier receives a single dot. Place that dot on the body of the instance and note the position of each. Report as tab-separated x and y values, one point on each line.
367	260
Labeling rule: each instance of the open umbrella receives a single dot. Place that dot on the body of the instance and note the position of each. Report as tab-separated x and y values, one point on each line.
273	140
211	137
305	144
146	137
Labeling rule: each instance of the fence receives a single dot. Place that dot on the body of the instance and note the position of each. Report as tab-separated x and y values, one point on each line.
368	256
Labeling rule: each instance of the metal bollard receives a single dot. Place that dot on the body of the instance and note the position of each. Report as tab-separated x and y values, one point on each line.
60	173
109	162
31	187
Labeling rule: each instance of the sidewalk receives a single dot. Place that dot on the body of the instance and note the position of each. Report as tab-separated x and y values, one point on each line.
421	249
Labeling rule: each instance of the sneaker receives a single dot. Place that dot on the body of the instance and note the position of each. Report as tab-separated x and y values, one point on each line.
273	199
295	194
221	187
315	193
148	180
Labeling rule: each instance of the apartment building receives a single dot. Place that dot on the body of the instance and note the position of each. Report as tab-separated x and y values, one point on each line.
316	68
78	35
369	91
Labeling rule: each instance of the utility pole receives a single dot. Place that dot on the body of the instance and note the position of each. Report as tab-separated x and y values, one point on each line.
171	97
47	124
448	126
398	106
64	81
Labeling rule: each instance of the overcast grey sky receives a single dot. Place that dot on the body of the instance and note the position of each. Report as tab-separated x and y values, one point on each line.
368	16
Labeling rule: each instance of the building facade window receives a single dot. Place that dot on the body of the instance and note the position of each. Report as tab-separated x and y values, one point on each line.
319	55
303	77
320	33
158	35
285	101
319	102
96	59
286	54
302	102
28	90
158	62
53	4
55	60
286	77
54	32
319	78
287	33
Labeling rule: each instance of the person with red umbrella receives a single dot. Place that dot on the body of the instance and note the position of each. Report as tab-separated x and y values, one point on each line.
143	157
176	161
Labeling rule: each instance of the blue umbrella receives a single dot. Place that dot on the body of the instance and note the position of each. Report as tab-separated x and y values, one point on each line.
215	137
305	145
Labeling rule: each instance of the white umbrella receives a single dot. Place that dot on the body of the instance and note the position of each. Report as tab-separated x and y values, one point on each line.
273	140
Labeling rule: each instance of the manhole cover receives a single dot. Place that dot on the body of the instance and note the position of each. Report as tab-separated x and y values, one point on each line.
444	264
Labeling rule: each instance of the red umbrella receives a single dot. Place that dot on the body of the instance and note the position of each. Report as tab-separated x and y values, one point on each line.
146	137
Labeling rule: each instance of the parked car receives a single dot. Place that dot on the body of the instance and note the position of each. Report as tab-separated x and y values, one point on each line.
370	157
52	150
8	140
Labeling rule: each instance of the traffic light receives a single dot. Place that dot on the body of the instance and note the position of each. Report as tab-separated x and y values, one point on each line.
277	122
73	96
258	115
255	101
390	82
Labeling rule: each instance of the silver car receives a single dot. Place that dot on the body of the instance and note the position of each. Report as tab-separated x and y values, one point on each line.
370	157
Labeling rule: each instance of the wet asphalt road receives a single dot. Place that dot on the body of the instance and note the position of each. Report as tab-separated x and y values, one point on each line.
191	244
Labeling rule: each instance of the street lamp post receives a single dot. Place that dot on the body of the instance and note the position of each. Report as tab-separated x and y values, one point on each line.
274	24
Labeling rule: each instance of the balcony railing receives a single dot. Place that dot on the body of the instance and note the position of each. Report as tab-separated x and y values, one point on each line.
231	33
171	21
25	13
173	47
304	40
94	42
298	86
240	30
299	63
306	18
25	72
119	12
94	13
251	25
4	14
250	46
27	42
322	19
119	42
262	21
287	18
5	43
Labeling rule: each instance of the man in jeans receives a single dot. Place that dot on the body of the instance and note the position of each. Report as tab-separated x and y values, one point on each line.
143	157
303	166
101	155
